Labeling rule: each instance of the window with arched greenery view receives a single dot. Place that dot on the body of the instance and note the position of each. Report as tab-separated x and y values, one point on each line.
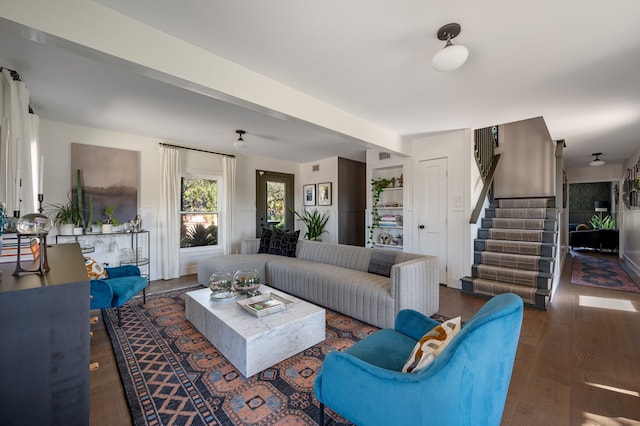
198	212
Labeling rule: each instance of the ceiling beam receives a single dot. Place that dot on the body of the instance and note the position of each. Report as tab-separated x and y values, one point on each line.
91	29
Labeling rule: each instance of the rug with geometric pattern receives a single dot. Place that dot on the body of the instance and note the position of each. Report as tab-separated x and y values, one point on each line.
601	270
173	376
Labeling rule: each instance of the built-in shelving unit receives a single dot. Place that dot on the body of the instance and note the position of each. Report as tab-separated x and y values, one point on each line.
387	213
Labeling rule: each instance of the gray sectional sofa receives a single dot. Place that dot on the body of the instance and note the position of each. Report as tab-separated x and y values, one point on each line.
338	277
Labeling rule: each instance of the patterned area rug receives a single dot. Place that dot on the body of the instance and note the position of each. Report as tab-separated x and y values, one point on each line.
173	376
597	270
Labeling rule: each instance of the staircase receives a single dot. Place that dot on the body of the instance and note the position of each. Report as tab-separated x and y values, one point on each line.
515	251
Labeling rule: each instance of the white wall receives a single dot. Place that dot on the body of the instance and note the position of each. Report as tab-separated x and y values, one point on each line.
457	147
588	174
629	224
328	172
56	139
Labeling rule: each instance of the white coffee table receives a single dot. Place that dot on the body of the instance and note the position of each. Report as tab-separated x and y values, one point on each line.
253	344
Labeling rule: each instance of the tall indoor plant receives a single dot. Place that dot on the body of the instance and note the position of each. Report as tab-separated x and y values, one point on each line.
315	222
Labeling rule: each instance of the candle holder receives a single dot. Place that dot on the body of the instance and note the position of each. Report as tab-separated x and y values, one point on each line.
34	225
40	201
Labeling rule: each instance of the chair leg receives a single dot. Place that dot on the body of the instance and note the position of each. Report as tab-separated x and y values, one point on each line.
321	423
119	317
144	295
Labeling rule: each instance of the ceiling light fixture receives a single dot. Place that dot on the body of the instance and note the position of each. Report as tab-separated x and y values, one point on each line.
597	161
452	56
240	143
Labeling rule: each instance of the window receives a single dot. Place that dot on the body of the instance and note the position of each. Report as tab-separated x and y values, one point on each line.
198	212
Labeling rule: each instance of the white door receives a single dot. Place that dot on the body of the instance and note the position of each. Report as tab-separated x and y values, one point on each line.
431	205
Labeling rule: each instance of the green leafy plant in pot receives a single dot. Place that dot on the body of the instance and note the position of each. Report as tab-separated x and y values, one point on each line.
598	222
66	216
315	222
107	225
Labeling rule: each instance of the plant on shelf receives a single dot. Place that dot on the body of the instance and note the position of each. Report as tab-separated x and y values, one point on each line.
111	220
315	222
66	216
598	222
377	186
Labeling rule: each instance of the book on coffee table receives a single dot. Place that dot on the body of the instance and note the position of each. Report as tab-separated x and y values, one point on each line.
264	304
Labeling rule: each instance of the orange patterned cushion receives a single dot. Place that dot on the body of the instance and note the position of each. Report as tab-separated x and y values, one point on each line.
431	345
94	269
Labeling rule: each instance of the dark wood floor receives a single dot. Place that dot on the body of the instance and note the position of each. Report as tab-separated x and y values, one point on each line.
576	364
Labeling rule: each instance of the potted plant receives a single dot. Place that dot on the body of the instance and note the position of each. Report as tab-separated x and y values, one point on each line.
107	226
314	221
598	222
66	217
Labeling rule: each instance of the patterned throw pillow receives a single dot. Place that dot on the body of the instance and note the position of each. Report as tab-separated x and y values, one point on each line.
284	243
431	345
265	240
94	269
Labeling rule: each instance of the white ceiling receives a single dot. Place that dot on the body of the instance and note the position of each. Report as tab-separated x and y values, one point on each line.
572	62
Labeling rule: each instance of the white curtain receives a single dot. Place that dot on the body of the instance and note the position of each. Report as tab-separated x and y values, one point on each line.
228	201
169	213
19	147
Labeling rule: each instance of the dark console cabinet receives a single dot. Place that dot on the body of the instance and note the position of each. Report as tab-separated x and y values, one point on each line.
44	332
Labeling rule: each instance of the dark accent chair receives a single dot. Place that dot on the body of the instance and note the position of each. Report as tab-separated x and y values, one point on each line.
599	239
466	384
123	283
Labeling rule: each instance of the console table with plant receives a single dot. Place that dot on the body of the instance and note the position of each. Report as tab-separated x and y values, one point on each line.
132	247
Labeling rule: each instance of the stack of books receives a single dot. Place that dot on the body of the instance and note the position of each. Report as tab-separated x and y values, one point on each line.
29	249
390	220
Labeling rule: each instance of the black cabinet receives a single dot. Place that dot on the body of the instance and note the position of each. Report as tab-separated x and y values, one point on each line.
44	330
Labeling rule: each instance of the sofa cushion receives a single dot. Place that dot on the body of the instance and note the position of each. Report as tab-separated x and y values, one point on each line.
125	288
284	243
381	262
431	345
265	240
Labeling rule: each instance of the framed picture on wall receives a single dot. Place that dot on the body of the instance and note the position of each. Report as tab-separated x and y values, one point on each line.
324	194
309	194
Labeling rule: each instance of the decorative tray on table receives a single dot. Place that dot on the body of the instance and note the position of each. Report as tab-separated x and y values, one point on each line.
264	304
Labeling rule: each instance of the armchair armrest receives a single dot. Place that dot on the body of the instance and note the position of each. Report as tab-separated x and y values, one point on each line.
123	271
398	395
101	294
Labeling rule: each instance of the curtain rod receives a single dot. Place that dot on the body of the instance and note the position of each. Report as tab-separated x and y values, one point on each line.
197	149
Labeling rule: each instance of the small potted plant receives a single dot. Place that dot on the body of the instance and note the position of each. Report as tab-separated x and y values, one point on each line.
66	216
107	226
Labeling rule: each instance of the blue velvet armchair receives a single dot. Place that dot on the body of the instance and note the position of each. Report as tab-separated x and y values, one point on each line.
123	283
466	384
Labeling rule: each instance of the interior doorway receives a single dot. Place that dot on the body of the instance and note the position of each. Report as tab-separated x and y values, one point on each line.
274	197
590	199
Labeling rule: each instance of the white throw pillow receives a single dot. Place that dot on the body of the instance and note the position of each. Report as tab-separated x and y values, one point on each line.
431	344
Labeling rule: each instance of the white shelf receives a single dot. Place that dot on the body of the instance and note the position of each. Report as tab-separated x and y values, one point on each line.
391	246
